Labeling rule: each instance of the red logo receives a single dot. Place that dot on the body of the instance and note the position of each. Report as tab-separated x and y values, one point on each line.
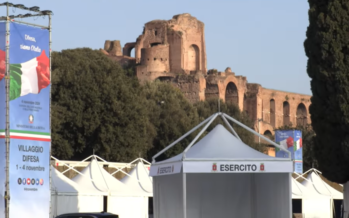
214	167
28	181
261	167
41	182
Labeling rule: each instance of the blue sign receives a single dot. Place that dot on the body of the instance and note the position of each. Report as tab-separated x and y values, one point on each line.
29	110
292	141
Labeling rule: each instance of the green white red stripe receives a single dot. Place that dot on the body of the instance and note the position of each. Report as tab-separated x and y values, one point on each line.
27	135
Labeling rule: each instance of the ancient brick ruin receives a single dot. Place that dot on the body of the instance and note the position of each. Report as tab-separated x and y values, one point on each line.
174	50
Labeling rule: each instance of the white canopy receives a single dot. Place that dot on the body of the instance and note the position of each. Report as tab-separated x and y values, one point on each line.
220	175
95	177
139	179
68	197
62	185
314	182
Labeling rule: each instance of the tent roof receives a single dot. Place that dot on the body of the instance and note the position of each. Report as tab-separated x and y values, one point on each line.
61	184
221	144
321	187
144	183
225	150
95	177
299	191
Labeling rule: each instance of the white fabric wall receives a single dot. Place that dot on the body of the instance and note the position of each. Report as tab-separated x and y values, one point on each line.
72	204
128	207
218	195
272	195
317	208
168	196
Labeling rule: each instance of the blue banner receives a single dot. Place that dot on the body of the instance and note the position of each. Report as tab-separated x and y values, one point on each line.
29	122
2	118
292	141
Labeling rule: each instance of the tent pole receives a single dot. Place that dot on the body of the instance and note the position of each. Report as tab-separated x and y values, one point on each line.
230	127
184	195
259	135
182	137
198	135
290	194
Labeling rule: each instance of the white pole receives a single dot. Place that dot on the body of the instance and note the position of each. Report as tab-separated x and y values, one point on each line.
184	195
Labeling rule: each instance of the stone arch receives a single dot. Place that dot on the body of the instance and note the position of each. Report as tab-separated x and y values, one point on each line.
128	48
302	115
232	94
268	133
193	58
272	113
286	113
211	91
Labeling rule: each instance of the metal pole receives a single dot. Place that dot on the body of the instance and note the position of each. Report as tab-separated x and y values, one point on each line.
182	137
50	42
7	127
36	25
184	195
197	137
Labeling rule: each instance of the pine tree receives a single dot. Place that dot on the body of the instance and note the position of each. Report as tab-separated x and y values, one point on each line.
327	49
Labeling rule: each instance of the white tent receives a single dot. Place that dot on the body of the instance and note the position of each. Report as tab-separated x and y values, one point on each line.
68	197
220	176
139	179
298	190
324	205
121	199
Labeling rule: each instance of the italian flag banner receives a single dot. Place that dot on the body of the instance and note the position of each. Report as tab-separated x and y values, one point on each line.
29	77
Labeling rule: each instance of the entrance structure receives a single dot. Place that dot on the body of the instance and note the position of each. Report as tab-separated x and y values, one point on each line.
220	176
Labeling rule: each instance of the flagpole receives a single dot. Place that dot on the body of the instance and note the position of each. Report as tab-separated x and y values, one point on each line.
50	43
7	127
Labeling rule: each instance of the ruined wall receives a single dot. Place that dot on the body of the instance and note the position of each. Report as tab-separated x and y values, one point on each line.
279	108
174	51
156	58
192	86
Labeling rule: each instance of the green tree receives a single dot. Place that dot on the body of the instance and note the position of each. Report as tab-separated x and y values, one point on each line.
210	106
96	107
327	49
172	116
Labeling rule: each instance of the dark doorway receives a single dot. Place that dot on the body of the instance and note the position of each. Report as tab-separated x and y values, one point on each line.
150	206
296	205
337	211
105	203
286	112
272	113
301	115
231	94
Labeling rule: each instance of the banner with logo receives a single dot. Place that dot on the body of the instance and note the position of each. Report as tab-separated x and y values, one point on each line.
165	169
292	141
2	118
29	121
237	167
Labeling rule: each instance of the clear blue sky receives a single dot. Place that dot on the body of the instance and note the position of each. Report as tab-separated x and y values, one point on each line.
259	39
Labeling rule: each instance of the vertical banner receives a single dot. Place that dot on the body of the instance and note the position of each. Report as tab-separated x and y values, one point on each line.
29	122
298	152
2	117
292	141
